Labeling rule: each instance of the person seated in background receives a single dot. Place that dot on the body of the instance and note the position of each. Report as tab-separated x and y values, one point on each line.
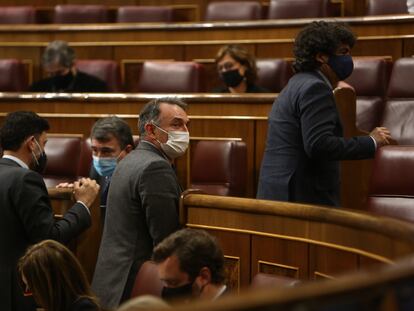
191	264
54	277
237	69
58	61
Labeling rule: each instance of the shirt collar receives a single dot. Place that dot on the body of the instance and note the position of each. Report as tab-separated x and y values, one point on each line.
16	159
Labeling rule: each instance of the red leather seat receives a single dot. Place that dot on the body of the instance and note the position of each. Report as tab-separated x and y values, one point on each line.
384	7
147	281
17	15
398	116
219	167
80	14
391	190
273	74
171	77
279	9
12	76
370	80
106	70
140	14
233	11
63	157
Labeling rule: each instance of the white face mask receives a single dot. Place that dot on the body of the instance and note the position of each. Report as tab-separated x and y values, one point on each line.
176	144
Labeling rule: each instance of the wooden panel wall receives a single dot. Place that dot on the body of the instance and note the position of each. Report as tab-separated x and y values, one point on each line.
299	241
212	116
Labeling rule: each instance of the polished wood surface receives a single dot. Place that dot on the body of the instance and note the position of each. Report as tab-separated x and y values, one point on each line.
86	245
212	116
382	288
248	30
300	241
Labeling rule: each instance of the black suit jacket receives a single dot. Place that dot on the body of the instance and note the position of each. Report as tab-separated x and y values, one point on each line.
304	143
26	217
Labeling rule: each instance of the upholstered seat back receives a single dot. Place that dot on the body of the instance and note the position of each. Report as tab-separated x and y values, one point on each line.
147	281
63	154
106	70
219	167
171	77
280	9
12	76
233	10
391	190
17	15
402	77
384	7
398	113
370	79
273	74
140	14
79	14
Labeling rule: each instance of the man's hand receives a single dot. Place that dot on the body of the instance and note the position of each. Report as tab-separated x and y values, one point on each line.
85	190
64	185
382	136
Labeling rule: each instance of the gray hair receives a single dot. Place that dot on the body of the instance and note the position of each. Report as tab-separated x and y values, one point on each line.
58	51
151	111
115	126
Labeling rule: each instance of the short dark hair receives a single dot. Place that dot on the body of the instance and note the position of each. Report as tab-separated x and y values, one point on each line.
240	54
151	111
194	249
319	37
20	125
104	128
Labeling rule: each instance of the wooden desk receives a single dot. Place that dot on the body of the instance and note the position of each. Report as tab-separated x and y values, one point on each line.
86	245
213	116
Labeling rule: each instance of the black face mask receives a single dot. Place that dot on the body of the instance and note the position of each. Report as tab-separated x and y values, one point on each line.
174	293
232	78
63	82
39	164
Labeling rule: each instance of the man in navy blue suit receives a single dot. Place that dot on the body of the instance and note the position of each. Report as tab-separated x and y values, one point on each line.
305	137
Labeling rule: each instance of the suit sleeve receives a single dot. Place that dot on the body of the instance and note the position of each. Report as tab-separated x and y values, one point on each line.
158	190
319	118
34	208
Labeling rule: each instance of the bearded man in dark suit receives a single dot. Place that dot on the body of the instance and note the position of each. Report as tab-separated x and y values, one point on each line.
26	216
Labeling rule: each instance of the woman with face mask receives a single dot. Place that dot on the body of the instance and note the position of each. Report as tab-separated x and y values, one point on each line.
237	70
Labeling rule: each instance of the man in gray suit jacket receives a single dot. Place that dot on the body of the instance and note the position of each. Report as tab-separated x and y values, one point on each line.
26	215
305	138
143	200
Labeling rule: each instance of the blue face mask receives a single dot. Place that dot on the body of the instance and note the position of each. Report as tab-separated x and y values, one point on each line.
342	65
104	166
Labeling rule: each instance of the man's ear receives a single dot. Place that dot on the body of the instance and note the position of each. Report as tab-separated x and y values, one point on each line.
128	148
321	58
30	142
149	129
205	276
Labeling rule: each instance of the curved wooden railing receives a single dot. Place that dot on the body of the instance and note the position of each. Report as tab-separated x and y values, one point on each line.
296	240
